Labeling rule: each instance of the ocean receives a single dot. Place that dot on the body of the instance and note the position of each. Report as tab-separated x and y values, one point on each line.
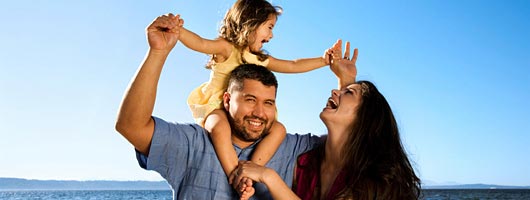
428	194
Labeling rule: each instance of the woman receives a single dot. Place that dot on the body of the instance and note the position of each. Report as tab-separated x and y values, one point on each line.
362	157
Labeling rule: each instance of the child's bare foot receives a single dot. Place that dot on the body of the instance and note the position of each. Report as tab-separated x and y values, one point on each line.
246	189
247	193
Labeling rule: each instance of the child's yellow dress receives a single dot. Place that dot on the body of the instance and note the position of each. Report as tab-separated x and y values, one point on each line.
209	96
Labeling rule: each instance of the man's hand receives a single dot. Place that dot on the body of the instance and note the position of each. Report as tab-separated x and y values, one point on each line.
163	32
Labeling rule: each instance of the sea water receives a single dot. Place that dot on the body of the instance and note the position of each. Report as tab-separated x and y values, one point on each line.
428	194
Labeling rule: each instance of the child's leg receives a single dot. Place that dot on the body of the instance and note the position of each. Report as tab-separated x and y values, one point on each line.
270	143
217	124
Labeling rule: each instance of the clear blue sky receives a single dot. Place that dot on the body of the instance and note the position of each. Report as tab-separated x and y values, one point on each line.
456	73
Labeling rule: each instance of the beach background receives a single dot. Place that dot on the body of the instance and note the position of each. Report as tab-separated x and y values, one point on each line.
456	73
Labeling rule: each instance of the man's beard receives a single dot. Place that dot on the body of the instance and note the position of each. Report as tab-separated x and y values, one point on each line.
239	130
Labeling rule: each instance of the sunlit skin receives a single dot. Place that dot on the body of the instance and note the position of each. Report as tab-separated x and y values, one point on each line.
262	34
342	106
253	110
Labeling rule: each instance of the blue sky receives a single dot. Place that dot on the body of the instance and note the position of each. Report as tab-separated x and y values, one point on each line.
456	73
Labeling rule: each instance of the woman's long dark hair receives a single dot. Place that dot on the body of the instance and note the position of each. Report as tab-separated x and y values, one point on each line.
375	163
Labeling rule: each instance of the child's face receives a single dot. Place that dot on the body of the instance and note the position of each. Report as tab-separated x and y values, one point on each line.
263	34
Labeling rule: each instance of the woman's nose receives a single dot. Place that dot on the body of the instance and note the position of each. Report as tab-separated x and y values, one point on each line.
335	92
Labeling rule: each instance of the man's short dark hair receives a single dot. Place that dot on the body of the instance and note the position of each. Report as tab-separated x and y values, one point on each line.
253	72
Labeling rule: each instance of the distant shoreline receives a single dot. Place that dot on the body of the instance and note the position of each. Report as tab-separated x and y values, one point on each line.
19	184
26	184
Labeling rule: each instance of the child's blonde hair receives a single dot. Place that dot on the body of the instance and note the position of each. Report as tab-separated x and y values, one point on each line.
242	19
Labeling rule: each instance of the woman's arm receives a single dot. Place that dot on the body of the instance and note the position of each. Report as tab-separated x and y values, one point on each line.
278	189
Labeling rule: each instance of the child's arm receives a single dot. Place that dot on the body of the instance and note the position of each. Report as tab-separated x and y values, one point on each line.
217	125
296	66
301	65
218	47
269	144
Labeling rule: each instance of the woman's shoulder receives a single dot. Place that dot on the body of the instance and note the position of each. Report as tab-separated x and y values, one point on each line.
309	158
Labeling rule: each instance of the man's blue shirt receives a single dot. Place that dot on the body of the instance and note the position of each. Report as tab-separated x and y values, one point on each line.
184	155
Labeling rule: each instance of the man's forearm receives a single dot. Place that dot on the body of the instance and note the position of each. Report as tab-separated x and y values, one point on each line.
134	118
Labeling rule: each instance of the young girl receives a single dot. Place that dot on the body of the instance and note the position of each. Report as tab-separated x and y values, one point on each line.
246	27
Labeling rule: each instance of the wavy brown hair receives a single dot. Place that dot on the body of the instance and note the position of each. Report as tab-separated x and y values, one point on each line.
375	163
242	19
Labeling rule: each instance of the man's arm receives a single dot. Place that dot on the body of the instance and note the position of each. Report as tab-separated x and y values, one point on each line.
134	120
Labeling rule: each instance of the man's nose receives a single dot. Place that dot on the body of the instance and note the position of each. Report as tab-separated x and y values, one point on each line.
258	110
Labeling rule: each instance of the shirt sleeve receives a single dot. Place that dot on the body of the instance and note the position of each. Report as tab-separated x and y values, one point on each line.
305	142
170	149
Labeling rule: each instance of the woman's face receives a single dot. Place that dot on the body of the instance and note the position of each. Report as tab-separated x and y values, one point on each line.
341	107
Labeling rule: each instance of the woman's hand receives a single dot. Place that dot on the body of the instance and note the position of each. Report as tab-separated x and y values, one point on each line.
249	170
343	66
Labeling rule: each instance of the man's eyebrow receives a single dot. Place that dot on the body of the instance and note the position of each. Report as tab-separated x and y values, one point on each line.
249	95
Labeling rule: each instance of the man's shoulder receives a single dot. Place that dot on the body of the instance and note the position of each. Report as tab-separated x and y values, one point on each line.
297	136
183	126
176	131
297	141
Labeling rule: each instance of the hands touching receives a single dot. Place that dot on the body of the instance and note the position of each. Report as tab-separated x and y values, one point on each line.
243	176
163	33
343	66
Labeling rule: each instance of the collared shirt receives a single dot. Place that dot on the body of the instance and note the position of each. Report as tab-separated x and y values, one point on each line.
184	155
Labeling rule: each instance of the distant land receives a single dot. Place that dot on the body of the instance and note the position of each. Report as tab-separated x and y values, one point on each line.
474	186
31	184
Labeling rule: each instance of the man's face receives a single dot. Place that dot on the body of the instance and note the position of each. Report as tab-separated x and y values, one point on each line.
252	110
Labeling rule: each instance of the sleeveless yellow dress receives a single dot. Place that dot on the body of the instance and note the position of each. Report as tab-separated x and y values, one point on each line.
209	96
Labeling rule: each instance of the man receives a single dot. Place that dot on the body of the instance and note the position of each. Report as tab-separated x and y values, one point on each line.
183	153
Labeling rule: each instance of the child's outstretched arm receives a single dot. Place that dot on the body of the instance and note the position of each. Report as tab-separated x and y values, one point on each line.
218	47
296	66
269	144
299	65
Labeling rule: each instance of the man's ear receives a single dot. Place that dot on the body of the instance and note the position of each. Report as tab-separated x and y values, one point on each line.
226	101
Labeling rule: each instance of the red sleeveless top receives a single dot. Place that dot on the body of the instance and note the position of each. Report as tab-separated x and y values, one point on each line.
307	185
